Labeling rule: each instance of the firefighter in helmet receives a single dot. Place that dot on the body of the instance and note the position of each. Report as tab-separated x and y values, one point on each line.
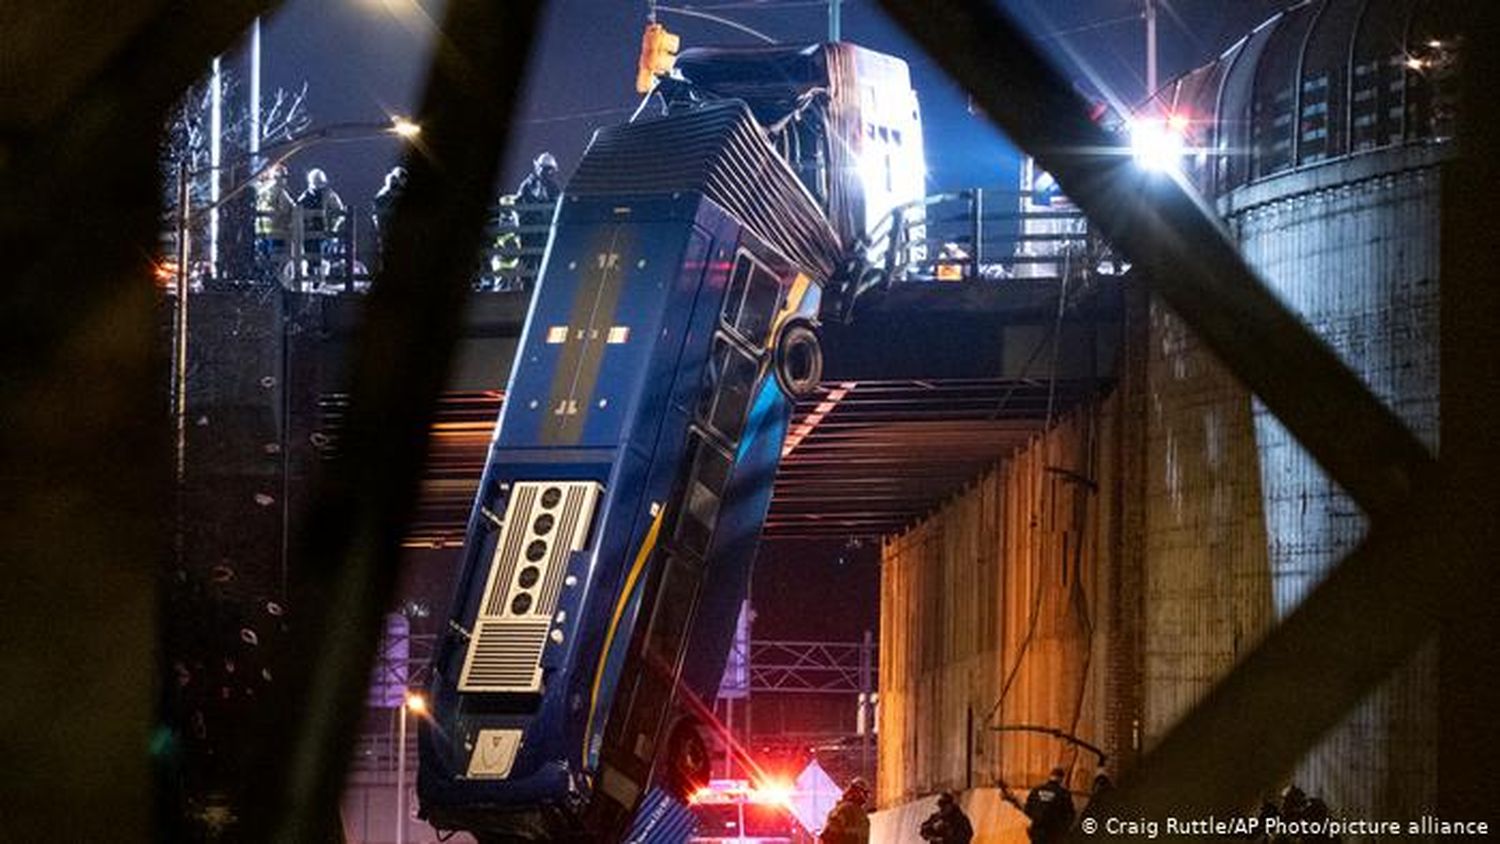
849	822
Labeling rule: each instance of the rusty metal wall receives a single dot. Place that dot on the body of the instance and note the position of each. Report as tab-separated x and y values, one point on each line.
1007	581
1358	260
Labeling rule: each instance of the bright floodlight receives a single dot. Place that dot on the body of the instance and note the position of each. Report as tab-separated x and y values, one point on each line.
774	792
405	128
415	703
1158	145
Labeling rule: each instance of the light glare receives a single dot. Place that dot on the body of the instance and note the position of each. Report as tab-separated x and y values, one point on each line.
774	792
1157	145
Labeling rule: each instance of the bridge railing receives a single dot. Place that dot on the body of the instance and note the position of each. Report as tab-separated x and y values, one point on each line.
340	252
988	235
976	234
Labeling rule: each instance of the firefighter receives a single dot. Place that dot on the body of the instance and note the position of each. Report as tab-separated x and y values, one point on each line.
322	217
1050	808
1102	785
540	187
849	822
537	192
385	199
1317	815
274	211
949	824
1292	810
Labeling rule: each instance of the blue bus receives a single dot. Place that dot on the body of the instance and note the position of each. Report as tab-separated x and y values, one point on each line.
613	533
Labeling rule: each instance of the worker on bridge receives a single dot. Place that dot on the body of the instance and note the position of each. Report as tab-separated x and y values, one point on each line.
384	204
274	214
537	196
540	187
322	220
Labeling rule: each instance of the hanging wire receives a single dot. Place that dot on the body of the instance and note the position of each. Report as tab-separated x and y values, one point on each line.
694	13
1079	524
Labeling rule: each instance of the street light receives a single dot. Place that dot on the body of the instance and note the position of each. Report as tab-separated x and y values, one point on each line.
1159	145
405	128
416	704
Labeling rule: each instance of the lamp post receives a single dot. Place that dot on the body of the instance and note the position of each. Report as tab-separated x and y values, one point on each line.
415	704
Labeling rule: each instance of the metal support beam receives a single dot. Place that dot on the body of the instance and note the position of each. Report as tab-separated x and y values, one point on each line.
1469	645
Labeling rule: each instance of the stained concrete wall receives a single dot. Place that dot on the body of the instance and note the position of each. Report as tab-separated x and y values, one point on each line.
1207	583
1353	249
993	613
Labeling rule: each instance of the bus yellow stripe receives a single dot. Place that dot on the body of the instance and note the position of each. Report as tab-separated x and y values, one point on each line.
793	306
636	568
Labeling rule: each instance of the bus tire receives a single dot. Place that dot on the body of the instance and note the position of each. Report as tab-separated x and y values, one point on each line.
687	759
798	360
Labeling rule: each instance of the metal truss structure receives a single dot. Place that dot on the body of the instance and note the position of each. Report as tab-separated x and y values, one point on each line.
811	667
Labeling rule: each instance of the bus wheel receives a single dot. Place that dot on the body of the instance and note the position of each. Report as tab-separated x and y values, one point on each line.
799	360
688	762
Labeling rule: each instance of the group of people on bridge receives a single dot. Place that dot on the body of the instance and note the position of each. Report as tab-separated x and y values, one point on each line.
309	239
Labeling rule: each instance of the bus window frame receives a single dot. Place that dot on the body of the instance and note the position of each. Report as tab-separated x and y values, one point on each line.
738	300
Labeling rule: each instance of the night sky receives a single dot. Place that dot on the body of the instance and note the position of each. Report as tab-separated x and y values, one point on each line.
365	59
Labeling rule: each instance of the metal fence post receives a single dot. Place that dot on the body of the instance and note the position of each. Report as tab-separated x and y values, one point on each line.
180	329
351	251
976	251
865	691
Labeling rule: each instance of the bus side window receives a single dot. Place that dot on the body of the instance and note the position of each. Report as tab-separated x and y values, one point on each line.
735	295
705	489
751	301
733	385
762	297
650	689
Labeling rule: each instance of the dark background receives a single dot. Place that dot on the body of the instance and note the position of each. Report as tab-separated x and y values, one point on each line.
364	59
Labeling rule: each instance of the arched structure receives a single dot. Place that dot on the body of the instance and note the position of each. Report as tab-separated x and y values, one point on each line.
1320	137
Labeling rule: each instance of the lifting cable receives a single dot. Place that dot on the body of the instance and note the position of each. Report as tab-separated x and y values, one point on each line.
1076	590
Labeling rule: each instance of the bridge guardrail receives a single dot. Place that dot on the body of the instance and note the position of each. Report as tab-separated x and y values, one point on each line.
303	252
988	234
